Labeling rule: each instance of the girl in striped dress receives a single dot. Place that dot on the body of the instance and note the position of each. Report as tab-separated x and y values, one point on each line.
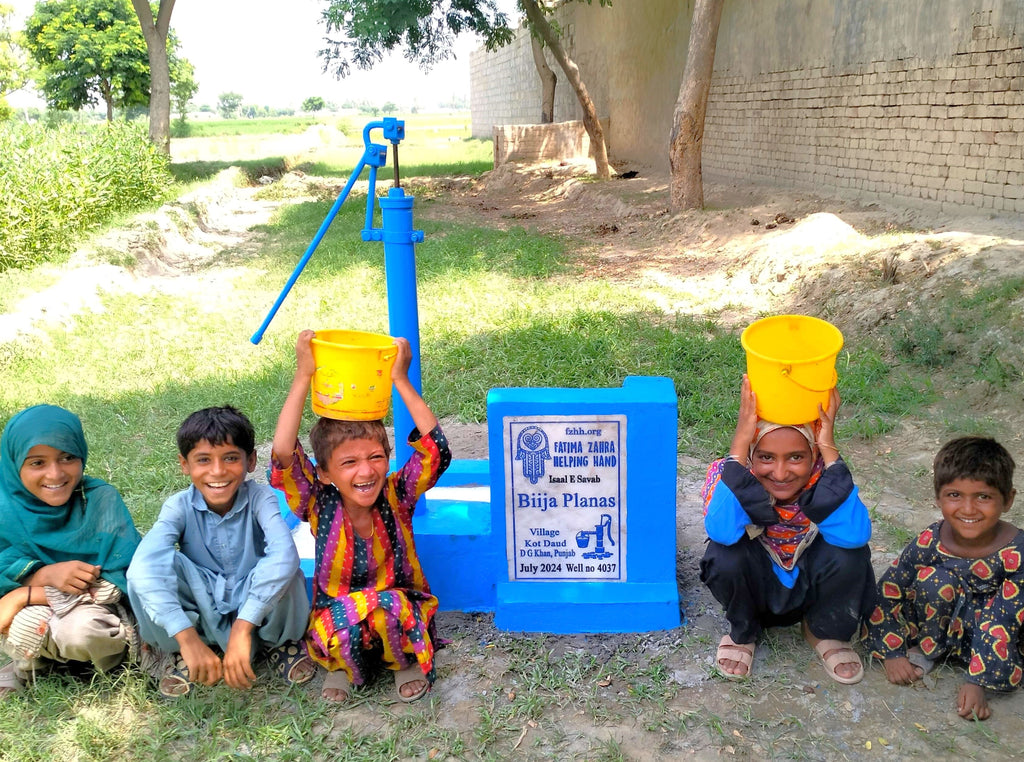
372	605
788	538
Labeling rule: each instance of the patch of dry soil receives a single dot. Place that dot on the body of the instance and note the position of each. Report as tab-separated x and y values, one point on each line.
755	250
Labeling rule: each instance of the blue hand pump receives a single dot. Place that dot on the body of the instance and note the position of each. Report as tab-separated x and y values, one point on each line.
399	260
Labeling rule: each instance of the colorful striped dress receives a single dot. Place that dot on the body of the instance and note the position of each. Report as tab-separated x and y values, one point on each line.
371	601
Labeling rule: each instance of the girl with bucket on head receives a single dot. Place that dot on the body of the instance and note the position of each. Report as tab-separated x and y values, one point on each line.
372	606
66	542
788	538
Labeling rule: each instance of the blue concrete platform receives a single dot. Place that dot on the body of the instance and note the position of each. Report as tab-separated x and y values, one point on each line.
537	533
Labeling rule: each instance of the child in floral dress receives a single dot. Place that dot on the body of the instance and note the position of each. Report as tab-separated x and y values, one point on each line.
957	590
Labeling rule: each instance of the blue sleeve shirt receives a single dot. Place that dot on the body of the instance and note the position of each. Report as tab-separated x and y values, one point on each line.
738	505
247	557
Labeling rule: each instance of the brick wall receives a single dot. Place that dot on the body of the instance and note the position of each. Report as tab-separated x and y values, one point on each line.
920	100
541	142
950	132
505	88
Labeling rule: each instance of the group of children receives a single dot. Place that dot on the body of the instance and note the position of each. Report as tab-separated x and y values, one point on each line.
788	542
215	583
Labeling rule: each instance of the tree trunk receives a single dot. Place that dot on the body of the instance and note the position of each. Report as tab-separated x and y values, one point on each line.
159	69
107	94
548	80
540	25
687	136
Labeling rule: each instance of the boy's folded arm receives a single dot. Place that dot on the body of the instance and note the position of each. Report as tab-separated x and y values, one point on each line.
275	570
151	576
998	629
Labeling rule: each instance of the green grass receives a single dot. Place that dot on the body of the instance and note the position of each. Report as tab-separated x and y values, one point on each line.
286	125
430	157
497	308
56	184
966	331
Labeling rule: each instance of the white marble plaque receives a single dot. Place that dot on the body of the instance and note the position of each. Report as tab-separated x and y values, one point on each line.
565	497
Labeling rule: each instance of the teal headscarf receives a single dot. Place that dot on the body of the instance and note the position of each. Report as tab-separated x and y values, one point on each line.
93	526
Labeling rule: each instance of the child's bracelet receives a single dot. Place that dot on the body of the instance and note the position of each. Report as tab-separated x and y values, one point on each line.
742	461
28	600
831	447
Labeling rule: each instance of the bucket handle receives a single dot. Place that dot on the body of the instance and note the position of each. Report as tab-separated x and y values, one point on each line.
787	370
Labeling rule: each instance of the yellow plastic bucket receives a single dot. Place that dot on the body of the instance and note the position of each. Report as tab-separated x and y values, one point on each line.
791	363
352	381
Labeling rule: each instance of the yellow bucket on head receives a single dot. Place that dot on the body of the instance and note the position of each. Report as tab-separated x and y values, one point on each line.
791	364
352	381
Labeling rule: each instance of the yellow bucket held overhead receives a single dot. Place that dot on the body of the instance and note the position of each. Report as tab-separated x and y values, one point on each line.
352	381
791	363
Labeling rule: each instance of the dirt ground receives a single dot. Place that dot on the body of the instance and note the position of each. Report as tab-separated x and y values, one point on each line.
756	249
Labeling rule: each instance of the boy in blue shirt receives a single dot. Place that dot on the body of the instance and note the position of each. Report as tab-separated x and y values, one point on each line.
219	568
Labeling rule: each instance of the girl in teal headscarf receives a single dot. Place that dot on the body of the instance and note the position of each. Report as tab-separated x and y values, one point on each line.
66	542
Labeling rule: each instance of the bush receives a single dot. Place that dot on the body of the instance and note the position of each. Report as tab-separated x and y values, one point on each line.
56	183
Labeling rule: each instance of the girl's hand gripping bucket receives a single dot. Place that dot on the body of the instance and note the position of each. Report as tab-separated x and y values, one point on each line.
791	364
352	381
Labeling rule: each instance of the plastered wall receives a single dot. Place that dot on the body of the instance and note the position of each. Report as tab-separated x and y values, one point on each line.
921	100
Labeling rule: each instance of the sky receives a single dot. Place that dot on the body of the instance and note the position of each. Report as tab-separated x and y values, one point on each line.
267	51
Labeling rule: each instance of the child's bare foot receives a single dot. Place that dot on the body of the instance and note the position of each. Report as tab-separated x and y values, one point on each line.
899	670
337	687
841	662
971	703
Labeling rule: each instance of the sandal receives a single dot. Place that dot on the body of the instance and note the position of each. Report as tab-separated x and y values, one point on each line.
9	681
289	660
842	653
337	681
741	652
175	683
404	677
916	657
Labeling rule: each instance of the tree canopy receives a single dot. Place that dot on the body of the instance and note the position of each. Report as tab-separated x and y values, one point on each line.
183	88
313	103
425	30
228	104
88	51
13	66
361	31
